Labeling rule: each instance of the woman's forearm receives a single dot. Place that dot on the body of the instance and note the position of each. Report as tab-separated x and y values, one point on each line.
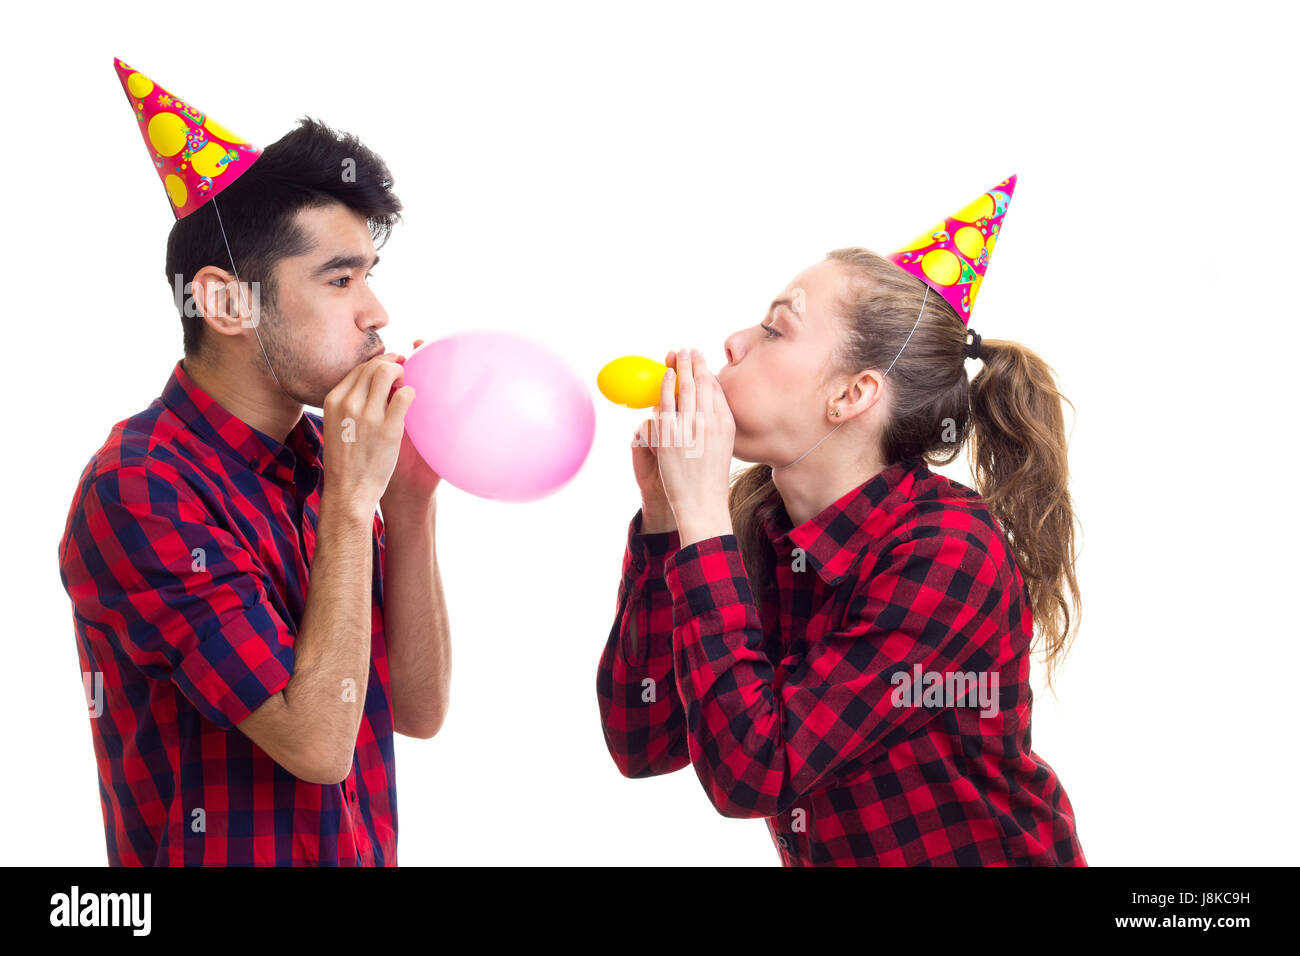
656	519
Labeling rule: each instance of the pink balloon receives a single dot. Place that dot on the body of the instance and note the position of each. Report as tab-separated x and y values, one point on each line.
498	415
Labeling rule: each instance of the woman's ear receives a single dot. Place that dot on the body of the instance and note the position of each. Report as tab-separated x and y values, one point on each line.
862	393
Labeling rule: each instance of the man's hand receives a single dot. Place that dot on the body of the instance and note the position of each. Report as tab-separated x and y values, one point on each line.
363	425
413	481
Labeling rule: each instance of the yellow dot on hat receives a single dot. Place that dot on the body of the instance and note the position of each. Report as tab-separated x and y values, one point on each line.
220	132
941	266
176	190
205	160
969	241
139	85
167	133
981	208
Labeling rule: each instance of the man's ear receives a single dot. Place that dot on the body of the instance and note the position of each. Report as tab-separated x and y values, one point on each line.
220	300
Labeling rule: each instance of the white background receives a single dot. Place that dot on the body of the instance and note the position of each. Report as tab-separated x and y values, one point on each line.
629	179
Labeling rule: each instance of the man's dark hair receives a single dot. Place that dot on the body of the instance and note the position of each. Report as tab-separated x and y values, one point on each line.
310	166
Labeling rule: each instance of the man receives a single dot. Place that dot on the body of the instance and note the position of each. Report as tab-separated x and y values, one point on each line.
239	715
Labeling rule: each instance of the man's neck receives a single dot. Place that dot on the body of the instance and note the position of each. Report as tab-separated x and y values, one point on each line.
247	397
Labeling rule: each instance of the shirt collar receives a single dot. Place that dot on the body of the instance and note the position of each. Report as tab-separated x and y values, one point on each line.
836	539
236	438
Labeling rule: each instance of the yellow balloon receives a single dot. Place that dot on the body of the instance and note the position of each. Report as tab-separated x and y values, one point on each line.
633	380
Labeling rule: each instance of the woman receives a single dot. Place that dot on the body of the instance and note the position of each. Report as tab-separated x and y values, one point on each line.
838	640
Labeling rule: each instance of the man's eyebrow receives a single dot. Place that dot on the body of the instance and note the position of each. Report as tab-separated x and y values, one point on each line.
347	261
777	303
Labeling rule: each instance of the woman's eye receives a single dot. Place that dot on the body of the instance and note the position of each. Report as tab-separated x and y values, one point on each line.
772	333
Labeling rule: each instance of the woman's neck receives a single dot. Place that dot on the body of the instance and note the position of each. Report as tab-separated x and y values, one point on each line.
810	487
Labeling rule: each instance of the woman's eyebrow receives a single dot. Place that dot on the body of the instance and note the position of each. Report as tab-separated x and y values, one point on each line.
777	303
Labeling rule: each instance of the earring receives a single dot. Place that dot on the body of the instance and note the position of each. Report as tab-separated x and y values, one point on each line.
837	413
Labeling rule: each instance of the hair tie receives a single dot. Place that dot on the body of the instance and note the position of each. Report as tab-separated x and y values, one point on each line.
973	347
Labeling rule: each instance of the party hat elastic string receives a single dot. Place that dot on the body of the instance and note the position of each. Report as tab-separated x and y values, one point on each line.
195	157
914	325
891	365
805	454
239	285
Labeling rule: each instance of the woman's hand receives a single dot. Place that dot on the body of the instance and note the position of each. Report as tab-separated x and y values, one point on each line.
696	437
656	512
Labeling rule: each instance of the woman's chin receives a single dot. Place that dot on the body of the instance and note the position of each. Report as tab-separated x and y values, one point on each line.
741	452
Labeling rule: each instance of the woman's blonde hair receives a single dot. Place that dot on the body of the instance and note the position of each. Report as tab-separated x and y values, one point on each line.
1011	412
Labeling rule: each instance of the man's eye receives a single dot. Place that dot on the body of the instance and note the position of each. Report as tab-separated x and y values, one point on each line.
772	333
346	280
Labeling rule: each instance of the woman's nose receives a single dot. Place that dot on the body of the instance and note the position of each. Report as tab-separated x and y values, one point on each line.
729	346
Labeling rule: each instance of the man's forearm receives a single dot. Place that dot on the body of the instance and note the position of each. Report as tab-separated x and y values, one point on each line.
416	625
327	692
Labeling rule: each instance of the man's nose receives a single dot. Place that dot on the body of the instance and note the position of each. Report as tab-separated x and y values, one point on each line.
375	315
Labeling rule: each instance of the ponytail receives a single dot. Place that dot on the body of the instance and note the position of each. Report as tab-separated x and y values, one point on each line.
1019	467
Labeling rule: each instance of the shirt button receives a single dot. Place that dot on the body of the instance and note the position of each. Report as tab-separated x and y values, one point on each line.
783	843
638	563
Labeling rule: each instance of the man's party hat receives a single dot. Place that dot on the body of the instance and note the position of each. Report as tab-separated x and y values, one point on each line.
195	157
953	256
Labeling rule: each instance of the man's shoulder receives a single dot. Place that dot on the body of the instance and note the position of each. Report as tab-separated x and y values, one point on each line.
147	446
148	441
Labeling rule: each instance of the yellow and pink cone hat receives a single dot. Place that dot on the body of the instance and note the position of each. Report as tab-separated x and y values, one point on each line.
953	256
195	157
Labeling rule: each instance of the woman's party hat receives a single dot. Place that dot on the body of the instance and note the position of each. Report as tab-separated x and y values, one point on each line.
953	256
194	156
